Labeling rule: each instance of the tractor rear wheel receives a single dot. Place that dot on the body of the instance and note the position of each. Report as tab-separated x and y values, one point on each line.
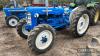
41	38
94	15
79	23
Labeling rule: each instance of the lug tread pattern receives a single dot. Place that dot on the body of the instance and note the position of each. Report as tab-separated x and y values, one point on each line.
33	34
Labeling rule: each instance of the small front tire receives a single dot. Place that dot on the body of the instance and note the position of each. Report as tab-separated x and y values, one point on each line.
12	21
41	38
21	29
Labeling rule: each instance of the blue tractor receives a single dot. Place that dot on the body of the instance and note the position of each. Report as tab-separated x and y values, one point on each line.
14	13
41	22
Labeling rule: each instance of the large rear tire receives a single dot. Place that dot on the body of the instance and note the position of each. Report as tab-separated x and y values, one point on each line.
41	38
79	22
94	14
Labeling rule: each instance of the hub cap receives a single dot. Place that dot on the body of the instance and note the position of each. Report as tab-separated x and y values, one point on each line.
25	32
44	39
13	22
83	23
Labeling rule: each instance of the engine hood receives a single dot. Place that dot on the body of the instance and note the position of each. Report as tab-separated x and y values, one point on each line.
43	10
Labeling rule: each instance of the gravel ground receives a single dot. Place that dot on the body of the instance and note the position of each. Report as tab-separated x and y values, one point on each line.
11	44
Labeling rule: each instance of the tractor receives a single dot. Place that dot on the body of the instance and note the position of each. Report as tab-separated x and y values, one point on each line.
40	23
14	12
12	18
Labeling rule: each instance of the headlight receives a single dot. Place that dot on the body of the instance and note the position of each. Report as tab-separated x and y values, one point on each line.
28	18
36	15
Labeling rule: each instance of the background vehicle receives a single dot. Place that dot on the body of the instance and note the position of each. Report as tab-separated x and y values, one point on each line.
13	15
14	12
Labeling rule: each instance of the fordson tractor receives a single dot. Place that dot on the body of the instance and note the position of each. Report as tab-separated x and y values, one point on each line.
40	23
13	15
14	12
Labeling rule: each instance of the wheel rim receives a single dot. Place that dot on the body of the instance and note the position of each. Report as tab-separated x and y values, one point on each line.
83	24
13	22
96	16
44	39
25	32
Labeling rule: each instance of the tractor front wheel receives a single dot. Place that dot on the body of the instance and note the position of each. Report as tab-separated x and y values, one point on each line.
21	29
41	38
12	21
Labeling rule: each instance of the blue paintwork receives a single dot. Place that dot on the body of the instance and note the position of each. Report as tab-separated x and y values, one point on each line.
59	17
19	12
